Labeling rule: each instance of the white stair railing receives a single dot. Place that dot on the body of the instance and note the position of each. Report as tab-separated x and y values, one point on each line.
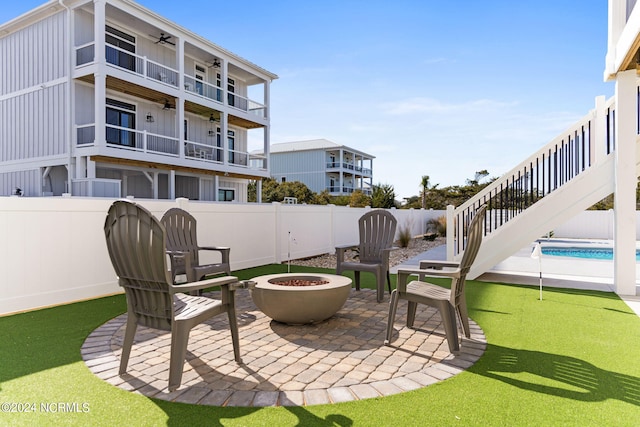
577	149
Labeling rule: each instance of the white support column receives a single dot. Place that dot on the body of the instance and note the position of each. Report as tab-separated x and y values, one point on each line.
154	185
91	168
180	62
267	100
216	185
258	191
180	100
172	184
341	171
625	184
180	126
224	137
100	76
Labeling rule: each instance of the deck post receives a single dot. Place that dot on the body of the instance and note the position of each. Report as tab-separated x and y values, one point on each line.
624	250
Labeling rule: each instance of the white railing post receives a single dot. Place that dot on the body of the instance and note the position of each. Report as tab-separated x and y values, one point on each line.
451	231
598	137
144	140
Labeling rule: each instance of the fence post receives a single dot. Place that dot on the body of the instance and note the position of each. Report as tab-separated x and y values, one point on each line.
277	229
451	231
183	203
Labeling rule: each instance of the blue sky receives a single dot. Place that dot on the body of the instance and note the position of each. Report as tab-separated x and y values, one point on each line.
434	88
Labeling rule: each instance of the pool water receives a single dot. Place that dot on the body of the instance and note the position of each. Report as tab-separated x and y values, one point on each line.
589	253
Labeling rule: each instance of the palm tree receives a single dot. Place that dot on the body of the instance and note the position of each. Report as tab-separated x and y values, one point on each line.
424	183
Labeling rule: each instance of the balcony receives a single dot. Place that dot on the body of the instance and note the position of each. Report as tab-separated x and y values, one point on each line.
345	166
129	139
147	142
150	70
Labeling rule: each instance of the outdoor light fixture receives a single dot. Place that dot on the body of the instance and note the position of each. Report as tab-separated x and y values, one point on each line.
167	106
211	118
150	118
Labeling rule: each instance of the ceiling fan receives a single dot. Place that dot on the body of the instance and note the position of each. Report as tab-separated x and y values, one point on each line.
164	39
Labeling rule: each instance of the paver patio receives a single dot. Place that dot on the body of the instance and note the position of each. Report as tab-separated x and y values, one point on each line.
338	360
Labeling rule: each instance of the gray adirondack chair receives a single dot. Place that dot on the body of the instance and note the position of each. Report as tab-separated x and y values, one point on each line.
182	237
136	246
449	302
377	230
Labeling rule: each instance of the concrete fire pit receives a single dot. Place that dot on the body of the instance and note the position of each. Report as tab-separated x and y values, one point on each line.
303	298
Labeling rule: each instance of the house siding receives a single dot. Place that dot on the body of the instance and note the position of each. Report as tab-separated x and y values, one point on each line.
290	165
38	55
33	124
28	181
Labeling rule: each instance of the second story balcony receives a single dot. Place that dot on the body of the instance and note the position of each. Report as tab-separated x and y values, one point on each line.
348	167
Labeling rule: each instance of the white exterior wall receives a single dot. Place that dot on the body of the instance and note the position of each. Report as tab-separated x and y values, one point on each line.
28	181
38	55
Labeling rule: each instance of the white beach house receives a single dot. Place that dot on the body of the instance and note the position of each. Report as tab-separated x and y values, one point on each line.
107	98
322	165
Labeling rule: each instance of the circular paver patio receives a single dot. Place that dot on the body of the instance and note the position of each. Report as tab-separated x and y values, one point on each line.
341	359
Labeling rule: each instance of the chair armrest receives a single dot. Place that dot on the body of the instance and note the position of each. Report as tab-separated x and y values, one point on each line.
203	284
185	257
340	250
224	251
434	264
385	255
405	273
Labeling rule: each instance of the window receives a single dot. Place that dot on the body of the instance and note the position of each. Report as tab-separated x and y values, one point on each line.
219	151
201	76
225	195
231	88
125	43
120	117
219	85
231	140
283	179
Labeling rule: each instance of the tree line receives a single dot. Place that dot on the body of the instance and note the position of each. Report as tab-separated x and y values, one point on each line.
382	195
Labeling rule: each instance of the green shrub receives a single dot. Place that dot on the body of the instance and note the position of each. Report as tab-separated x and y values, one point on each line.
404	237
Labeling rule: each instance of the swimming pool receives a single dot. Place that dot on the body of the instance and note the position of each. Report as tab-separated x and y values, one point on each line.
576	252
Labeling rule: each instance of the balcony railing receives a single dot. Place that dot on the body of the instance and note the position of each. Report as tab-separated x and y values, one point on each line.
347	189
96	187
132	139
246	104
144	67
349	166
239	158
206	90
205	152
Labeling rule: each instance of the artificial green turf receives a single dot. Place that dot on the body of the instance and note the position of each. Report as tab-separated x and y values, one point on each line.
571	359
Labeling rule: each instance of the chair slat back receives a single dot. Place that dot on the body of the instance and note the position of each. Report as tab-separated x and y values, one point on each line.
475	233
377	231
181	232
136	245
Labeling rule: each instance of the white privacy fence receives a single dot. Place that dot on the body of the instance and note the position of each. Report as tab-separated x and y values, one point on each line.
52	249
